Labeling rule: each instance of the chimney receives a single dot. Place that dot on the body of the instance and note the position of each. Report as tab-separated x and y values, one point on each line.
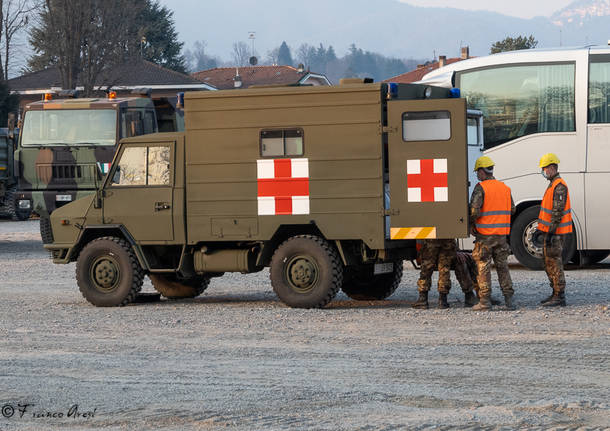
465	53
442	60
237	79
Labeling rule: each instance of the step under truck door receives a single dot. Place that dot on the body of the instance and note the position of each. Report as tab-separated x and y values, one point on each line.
428	171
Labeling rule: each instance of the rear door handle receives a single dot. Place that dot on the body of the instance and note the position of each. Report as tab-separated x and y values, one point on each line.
159	206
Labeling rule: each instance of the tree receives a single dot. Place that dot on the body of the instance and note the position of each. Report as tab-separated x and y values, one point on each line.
86	38
14	18
514	44
284	57
241	54
197	59
8	103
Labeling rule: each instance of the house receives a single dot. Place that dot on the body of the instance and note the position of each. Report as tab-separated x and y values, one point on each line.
225	78
424	69
163	83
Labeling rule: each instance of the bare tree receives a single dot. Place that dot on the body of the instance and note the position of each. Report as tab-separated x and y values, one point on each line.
14	19
198	59
273	56
241	54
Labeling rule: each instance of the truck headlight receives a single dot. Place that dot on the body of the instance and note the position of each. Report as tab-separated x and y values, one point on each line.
24	204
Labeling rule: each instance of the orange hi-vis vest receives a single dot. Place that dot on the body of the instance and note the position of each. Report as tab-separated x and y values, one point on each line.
546	210
494	218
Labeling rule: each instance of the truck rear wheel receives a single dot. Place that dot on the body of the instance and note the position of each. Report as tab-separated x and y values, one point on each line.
523	247
171	287
361	284
306	272
108	273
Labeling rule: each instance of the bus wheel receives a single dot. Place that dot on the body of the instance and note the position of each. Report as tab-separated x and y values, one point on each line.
108	273
361	284
306	272
522	244
171	287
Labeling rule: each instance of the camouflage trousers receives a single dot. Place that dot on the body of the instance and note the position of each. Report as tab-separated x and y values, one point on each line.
436	253
466	273
553	264
486	249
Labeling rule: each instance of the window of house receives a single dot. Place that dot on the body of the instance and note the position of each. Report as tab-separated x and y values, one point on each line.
141	166
521	100
426	126
281	143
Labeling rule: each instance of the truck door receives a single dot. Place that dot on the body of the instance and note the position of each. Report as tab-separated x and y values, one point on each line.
427	161
139	194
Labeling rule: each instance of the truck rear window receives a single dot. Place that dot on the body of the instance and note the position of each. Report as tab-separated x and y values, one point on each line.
426	126
281	143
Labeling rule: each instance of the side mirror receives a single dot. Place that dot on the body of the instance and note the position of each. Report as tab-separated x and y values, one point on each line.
11	125
97	203
116	179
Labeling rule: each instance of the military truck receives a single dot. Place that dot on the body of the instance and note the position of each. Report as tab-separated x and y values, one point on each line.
330	187
66	147
8	181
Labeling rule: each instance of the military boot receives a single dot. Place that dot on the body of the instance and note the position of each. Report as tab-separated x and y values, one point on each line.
483	305
422	301
508	302
558	299
547	299
469	299
442	301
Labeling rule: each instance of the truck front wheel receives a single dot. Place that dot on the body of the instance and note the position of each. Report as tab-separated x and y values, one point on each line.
171	287
108	273
306	272
362	284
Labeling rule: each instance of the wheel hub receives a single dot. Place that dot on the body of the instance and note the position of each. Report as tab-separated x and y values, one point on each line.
302	273
528	241
105	273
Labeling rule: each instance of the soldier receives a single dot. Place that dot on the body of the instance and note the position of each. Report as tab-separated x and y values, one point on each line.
554	222
439	253
491	206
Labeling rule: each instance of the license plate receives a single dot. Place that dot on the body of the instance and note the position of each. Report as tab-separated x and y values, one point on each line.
383	268
63	198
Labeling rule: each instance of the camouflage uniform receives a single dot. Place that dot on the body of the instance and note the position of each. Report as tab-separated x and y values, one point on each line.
487	247
466	274
436	253
553	244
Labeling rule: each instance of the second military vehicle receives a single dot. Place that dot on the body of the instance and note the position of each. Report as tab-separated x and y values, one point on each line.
8	180
328	186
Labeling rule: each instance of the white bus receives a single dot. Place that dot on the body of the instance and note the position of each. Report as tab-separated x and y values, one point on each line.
536	102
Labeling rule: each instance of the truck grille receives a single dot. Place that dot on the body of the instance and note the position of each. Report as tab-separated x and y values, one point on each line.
66	173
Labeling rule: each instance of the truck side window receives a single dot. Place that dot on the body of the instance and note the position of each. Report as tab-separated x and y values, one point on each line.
280	143
426	126
132	168
158	166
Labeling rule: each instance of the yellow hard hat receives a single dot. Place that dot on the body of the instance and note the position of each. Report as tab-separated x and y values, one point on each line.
483	162
549	159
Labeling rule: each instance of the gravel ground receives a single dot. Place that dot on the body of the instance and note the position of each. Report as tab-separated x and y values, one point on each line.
237	358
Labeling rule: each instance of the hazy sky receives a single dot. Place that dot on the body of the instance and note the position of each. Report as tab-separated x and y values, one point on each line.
519	8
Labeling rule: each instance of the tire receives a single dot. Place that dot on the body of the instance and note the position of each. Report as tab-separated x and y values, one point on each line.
361	284
523	247
108	273
46	232
10	207
306	272
171	287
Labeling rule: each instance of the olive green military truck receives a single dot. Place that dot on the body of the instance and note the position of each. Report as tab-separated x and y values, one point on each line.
8	181
328	186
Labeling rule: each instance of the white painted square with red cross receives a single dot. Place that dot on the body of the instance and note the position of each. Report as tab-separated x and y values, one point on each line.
283	186
427	180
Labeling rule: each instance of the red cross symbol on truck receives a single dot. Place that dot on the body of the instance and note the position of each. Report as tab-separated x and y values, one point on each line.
427	180
283	186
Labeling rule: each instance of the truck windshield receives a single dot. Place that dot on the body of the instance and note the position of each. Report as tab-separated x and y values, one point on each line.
69	127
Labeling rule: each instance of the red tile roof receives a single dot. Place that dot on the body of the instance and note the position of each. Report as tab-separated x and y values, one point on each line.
418	74
223	77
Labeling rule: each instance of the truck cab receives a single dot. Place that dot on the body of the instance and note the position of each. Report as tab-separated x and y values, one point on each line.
329	187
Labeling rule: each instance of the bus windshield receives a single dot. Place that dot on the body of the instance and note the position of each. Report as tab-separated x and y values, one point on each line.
69	127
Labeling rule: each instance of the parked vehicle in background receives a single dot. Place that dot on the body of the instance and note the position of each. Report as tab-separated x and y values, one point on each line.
330	187
8	180
540	101
66	147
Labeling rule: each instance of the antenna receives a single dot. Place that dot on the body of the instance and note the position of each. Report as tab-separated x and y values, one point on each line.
253	59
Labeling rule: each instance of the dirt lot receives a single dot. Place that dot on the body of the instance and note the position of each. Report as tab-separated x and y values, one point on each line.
237	358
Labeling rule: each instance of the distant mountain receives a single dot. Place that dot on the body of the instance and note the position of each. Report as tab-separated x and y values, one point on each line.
388	27
580	12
